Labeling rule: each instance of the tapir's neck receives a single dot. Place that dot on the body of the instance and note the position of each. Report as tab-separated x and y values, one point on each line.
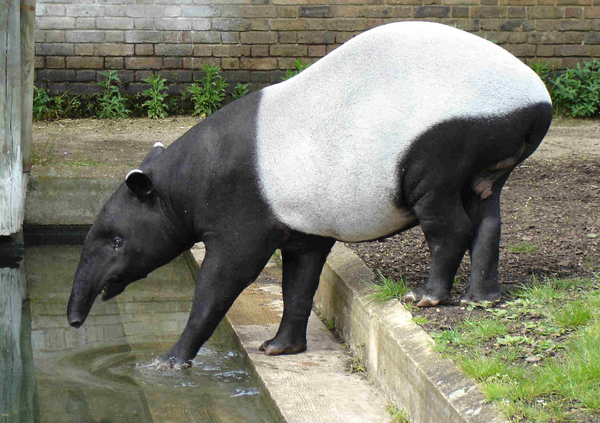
211	168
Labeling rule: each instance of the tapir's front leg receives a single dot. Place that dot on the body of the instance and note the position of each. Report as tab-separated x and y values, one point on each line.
227	269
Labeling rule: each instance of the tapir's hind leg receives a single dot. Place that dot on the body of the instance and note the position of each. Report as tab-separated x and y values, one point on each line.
484	249
448	231
303	262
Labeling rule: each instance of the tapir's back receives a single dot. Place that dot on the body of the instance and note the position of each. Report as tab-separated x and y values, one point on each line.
329	139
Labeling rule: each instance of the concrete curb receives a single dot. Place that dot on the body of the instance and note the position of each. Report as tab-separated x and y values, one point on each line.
397	353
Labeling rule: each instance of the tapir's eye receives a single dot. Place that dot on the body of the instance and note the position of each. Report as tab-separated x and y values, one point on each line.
117	242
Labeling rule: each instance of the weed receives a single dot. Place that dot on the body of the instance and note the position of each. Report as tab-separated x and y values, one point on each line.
388	289
523	248
156	95
293	72
421	320
240	90
577	91
111	105
398	415
356	366
210	93
330	324
43	156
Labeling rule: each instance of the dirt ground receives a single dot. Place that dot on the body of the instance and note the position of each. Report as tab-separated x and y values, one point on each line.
550	205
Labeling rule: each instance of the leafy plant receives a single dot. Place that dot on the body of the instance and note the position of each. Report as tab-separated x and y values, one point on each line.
293	72
47	107
577	91
397	414
156	95
111	103
208	95
240	90
542	69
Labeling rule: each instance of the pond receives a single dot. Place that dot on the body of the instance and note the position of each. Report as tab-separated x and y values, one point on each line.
103	371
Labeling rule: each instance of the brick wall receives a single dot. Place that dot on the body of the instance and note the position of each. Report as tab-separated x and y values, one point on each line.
256	40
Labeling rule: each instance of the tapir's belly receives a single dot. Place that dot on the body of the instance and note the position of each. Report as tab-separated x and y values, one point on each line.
330	140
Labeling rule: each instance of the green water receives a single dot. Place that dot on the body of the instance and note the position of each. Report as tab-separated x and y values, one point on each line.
103	371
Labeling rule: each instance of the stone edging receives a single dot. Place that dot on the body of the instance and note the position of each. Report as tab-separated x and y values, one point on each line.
397	353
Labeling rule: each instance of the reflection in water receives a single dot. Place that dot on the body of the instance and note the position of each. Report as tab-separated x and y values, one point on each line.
103	371
17	377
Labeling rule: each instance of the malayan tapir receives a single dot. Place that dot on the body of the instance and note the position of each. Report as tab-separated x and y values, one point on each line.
406	124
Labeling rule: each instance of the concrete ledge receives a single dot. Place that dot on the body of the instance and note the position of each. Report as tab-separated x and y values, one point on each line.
397	353
68	196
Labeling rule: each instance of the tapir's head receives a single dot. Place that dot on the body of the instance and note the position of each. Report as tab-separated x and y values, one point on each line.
131	236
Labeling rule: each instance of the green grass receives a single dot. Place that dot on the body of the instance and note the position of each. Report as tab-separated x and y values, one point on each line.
388	289
538	355
523	248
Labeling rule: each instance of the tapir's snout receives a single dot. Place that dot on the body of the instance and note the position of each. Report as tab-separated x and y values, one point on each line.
78	308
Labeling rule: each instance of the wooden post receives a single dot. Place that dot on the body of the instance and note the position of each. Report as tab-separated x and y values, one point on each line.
27	68
11	161
12	289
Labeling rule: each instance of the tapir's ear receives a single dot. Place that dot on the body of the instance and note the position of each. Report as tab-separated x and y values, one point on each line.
139	183
156	150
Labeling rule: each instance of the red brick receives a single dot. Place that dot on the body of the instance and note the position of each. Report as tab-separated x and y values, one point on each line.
544	50
572	50
114	63
267	63
114	50
317	51
294	50
143	63
85	62
592	12
55	62
230	63
202	50
341	24
575	38
84	49
144	49
231	50
172	62
288	24
258	11
287	37
545	12
259	51
258	37
460	11
517	12
573	12
483	12
198	63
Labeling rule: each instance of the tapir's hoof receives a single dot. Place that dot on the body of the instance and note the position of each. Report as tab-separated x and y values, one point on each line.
425	300
164	363
272	348
478	298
